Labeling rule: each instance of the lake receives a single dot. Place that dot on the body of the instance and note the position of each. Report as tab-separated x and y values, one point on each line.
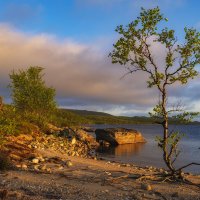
149	153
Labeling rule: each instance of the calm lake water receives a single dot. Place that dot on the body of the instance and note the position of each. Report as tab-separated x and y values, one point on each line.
149	153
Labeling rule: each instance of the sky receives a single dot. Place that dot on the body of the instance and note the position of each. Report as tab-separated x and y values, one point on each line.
71	39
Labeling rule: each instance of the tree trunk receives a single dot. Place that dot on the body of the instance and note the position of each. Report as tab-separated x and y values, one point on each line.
165	131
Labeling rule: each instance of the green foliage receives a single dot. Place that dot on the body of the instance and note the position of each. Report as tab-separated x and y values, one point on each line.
157	112
186	117
133	49
29	92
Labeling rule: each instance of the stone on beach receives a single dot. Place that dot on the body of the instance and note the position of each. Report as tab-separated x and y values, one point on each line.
116	136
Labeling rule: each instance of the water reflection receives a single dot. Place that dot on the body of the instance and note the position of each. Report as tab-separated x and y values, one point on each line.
124	150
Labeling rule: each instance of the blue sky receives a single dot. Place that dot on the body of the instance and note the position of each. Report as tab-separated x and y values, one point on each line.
72	38
90	19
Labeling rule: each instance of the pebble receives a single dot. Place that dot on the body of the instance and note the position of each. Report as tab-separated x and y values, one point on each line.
41	159
73	153
145	186
36	167
108	173
69	163
35	160
161	170
73	141
15	157
43	167
48	170
24	166
60	167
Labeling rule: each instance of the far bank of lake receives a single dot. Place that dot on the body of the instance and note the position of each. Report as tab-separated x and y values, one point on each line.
149	153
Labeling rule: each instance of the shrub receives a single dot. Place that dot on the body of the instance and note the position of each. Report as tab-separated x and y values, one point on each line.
30	93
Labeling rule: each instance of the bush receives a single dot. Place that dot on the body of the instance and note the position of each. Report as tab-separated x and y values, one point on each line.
30	93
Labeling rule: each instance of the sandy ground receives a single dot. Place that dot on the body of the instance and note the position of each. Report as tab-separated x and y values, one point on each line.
90	179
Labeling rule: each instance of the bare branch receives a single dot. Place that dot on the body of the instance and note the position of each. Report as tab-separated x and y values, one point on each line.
130	71
185	166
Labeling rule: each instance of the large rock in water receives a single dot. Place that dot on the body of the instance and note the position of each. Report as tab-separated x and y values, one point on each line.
116	136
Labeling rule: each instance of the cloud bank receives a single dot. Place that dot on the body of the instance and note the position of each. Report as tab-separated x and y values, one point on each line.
82	75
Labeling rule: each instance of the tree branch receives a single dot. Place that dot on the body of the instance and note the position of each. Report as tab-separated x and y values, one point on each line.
193	163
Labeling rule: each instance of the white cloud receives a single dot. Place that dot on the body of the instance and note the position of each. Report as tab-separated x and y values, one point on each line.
75	70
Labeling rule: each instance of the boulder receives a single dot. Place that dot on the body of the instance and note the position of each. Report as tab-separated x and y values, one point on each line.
85	136
116	136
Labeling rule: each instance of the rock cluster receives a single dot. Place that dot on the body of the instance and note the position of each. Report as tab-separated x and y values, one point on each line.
71	142
69	146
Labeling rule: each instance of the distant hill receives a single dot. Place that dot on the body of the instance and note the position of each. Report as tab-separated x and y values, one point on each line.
94	117
86	112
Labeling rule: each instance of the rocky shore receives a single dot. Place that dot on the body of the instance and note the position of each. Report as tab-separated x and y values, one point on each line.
63	165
